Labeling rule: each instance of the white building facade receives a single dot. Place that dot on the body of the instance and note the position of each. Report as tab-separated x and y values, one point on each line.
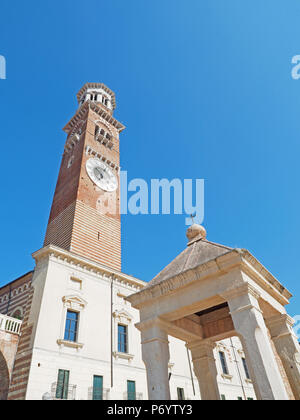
64	282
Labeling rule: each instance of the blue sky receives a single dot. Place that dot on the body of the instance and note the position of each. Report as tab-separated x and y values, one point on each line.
205	91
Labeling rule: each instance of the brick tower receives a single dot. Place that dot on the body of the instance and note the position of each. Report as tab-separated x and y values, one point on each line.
85	217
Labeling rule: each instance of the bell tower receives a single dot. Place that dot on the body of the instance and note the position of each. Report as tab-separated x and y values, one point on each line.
85	216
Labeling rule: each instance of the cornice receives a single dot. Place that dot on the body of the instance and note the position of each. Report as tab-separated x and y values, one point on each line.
80	115
183	279
266	274
245	288
81	112
223	264
52	251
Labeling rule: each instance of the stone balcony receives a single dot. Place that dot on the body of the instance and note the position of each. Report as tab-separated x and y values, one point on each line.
10	325
58	392
133	396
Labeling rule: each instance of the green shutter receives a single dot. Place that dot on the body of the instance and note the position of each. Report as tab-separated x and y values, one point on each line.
131	394
66	385
180	394
98	388
62	384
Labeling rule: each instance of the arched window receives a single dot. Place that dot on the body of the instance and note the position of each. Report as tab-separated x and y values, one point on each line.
17	314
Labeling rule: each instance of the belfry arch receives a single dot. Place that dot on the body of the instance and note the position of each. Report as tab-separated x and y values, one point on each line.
209	293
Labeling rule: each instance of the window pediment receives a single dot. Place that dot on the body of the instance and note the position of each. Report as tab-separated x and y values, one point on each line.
122	316
74	302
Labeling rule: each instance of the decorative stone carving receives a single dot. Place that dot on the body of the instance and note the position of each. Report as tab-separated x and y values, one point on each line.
74	302
122	316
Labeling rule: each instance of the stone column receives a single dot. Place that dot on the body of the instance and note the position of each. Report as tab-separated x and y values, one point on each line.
205	368
287	347
250	326
155	355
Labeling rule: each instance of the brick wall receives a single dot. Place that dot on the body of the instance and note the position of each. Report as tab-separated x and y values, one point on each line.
76	222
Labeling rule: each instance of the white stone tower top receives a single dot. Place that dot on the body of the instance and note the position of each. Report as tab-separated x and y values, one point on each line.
99	93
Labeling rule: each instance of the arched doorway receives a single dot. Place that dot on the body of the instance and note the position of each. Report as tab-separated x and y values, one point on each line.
4	378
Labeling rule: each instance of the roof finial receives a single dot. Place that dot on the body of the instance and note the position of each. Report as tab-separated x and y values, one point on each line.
192	217
195	232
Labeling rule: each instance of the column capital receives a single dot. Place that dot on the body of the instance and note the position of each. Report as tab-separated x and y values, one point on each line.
202	349
151	323
155	339
153	330
241	290
280	319
206	344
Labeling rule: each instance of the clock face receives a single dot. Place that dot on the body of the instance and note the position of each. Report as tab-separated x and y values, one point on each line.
101	175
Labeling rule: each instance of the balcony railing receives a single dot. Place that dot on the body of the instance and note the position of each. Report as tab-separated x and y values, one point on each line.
98	393
9	324
69	394
133	396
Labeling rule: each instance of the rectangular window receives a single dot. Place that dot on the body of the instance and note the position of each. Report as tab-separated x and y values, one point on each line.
180	394
71	326
98	387
122	339
131	393
223	362
246	368
62	386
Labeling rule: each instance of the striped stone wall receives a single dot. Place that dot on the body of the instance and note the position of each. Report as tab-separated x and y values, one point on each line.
14	295
19	380
59	231
96	236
